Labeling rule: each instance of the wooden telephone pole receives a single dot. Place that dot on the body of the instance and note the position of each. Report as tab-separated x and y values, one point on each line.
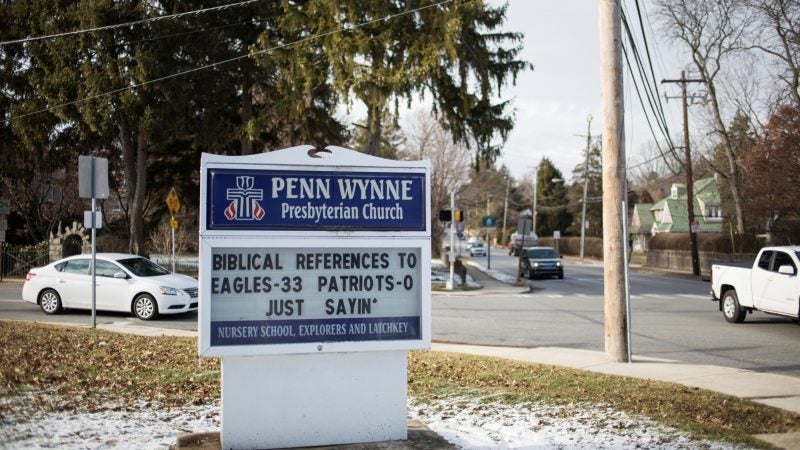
689	179
613	179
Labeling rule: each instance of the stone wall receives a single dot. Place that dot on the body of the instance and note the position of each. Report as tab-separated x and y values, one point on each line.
682	259
76	232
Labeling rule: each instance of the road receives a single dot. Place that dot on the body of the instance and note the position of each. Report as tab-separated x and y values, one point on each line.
672	318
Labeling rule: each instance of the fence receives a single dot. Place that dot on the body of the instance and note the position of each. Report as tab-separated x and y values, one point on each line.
186	263
682	259
16	261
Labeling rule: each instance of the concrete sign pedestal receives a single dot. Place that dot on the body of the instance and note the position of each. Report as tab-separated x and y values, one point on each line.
308	400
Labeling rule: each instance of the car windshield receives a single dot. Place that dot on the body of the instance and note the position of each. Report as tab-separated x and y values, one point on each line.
541	253
143	267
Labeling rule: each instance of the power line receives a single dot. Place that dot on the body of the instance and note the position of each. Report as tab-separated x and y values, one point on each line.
653	99
226	61
651	92
128	24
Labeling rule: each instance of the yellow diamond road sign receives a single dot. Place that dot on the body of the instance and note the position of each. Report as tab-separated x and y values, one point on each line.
173	203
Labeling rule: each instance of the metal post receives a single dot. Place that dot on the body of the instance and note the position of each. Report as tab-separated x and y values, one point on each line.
627	281
452	236
172	220
94	250
488	250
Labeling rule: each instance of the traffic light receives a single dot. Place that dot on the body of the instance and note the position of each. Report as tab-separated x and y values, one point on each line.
458	215
444	215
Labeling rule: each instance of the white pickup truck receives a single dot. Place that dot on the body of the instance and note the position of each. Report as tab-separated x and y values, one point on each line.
770	285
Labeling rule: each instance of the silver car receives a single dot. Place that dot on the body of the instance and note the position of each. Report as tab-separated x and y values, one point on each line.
127	283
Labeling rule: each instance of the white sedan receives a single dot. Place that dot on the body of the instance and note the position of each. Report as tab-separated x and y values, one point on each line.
124	282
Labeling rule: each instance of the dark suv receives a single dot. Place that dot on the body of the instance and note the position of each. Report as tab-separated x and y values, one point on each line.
541	261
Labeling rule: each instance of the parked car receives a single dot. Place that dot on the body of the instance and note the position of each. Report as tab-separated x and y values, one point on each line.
541	261
477	249
769	284
127	283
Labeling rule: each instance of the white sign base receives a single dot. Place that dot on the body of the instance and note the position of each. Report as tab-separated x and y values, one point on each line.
278	401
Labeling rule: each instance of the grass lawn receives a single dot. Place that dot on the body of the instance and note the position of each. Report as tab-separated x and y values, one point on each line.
84	370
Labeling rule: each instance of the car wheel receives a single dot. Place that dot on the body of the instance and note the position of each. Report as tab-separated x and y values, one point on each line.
50	301
145	307
531	275
731	309
561	275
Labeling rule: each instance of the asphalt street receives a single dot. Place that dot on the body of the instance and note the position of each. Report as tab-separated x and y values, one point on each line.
672	318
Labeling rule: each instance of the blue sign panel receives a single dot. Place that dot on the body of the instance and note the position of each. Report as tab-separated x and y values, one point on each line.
355	329
315	200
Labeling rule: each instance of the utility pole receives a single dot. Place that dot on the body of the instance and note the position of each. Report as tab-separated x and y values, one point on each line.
535	196
689	179
613	180
586	181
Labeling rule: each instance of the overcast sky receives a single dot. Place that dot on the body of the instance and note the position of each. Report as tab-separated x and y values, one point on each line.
554	100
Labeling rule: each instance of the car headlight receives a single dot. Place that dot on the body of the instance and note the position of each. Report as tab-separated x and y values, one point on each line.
170	290
535	264
558	263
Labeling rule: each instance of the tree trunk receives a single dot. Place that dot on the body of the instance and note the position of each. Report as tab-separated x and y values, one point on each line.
246	111
733	166
374	129
134	160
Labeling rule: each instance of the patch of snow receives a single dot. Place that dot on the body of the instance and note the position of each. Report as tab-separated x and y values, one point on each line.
476	424
496	274
465	422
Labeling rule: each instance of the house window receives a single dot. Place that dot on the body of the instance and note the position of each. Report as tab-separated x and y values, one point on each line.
657	215
713	212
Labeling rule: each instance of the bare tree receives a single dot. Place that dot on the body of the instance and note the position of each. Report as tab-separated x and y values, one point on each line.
783	18
713	32
450	164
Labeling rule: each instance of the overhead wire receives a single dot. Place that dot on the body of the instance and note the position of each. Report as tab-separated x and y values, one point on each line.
128	24
653	100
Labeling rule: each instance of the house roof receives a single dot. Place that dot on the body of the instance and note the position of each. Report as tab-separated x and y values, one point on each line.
675	210
680	218
642	220
707	190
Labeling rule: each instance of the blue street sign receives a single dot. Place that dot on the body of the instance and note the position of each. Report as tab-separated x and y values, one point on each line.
489	222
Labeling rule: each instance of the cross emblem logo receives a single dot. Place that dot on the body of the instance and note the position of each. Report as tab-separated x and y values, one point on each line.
244	200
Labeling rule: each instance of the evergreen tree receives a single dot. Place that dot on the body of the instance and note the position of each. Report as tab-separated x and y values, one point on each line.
552	202
594	193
